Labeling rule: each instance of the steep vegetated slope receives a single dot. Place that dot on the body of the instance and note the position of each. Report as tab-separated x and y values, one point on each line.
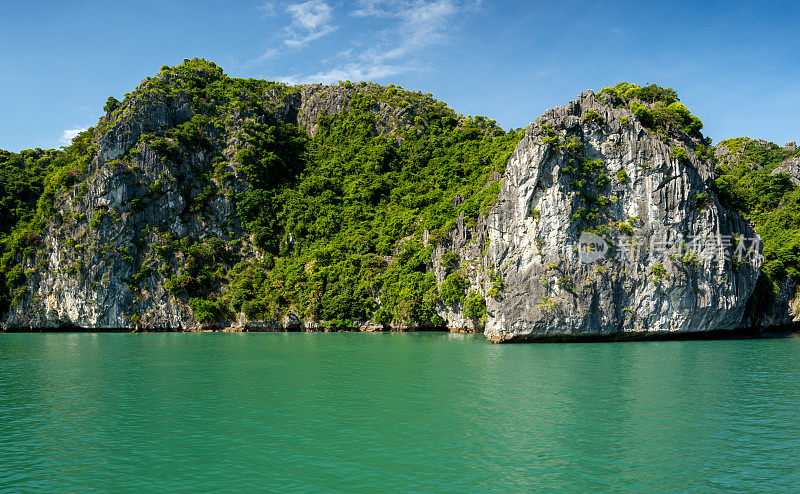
762	181
28	182
204	201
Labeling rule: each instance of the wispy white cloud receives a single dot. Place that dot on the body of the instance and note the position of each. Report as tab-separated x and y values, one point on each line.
348	72
310	21
266	9
420	24
396	36
413	26
267	55
373	8
68	135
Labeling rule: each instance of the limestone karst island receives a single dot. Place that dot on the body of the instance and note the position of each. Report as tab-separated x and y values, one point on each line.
206	202
399	246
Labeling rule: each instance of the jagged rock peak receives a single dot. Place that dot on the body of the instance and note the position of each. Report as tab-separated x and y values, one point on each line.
590	169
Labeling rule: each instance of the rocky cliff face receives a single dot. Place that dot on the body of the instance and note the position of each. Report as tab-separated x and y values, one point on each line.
790	167
783	311
590	167
100	254
305	107
110	253
601	227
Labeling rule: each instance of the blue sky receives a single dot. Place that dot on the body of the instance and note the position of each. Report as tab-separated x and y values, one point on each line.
735	64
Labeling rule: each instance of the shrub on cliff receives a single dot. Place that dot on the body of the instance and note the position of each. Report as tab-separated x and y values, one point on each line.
745	183
655	107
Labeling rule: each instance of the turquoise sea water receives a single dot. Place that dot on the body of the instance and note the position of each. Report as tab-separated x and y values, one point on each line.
400	412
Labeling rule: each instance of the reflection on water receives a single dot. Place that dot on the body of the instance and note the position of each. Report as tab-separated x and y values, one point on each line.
434	412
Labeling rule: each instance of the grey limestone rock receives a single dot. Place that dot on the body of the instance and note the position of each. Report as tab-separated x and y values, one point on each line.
523	258
649	200
790	167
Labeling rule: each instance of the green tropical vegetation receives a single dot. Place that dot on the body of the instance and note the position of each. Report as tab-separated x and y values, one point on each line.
339	224
337	218
29	181
657	108
748	183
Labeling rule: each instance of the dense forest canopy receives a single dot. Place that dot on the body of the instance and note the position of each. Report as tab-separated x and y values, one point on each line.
336	225
749	181
337	218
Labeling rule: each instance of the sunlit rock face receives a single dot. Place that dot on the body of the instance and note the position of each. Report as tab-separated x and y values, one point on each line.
602	227
666	256
102	262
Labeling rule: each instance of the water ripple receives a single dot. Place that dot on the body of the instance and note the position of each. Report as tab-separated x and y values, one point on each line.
422	412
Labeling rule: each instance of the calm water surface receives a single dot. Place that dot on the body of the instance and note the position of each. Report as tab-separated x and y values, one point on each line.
420	412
